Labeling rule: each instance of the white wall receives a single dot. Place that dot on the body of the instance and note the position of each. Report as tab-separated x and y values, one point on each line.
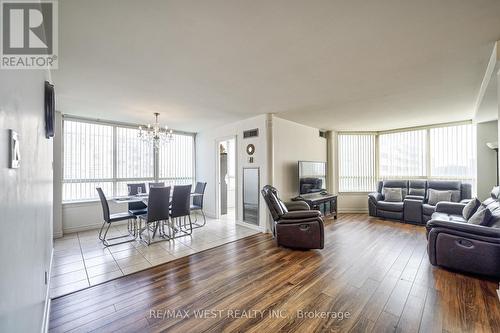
293	142
206	154
486	158
25	202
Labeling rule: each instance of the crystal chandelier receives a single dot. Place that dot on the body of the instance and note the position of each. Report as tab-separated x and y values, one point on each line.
155	134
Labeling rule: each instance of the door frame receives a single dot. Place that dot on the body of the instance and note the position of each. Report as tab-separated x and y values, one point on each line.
217	175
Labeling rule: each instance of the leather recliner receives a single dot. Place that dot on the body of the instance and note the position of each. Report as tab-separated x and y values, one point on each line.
295	224
455	244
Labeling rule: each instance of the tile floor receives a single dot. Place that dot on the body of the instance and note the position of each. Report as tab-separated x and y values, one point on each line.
80	259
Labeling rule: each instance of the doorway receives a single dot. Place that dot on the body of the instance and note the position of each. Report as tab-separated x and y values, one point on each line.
226	160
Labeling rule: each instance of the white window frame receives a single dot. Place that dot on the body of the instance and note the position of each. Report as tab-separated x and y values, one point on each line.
115	180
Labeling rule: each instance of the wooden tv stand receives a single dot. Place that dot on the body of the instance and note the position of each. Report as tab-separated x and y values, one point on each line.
325	203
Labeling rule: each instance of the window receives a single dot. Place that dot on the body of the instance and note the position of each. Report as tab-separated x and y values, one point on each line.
176	160
445	152
403	154
110	156
453	152
134	159
356	155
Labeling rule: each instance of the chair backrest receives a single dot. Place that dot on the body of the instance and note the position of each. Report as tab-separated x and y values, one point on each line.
104	204
133	191
158	203
402	184
151	185
180	201
417	187
273	202
454	186
199	189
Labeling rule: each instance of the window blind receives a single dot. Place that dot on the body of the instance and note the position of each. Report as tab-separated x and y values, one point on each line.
356	156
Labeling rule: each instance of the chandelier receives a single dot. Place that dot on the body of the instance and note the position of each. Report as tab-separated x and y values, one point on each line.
154	133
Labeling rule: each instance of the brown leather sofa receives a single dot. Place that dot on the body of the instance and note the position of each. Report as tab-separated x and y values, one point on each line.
455	244
295	224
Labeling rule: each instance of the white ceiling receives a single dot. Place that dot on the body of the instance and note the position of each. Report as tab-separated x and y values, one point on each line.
345	65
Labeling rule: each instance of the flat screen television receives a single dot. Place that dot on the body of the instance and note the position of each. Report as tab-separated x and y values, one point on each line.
312	177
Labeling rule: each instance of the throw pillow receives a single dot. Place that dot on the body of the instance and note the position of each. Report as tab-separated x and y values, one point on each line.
481	217
393	194
436	196
471	208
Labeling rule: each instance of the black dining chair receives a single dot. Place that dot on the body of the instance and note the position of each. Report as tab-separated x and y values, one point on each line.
111	218
157	215
161	184
137	208
180	209
197	205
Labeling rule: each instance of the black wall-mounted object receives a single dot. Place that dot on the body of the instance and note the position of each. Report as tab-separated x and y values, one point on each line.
50	109
253	133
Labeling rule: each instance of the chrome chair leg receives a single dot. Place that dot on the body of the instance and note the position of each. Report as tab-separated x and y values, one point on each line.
199	225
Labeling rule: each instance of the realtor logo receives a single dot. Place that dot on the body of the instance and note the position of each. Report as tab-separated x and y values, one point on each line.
29	35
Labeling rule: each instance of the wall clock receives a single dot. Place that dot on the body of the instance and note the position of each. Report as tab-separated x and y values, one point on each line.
250	149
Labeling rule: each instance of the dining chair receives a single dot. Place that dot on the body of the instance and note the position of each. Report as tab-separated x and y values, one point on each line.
161	184
180	209
197	205
111	218
157	215
137	208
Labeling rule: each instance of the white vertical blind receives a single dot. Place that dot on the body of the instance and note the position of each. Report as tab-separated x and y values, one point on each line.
88	159
134	159
110	156
176	160
403	154
356	156
453	152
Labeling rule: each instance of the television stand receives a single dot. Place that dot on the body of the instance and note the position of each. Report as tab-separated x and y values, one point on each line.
325	203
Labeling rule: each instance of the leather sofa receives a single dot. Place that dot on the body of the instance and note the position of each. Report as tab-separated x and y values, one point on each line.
415	207
455	244
295	224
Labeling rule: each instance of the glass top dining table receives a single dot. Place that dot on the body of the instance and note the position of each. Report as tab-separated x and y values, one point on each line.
141	198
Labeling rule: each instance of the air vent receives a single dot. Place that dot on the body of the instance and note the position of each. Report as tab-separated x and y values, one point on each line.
322	134
251	133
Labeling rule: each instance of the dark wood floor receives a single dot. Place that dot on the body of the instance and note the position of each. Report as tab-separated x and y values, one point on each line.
377	271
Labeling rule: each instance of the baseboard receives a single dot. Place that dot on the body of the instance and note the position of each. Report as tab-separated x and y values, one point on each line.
353	210
46	309
498	292
250	226
71	230
57	234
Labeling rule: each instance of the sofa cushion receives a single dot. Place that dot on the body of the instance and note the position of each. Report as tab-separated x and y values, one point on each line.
393	194
448	217
390	206
436	196
471	208
481	217
428	209
417	191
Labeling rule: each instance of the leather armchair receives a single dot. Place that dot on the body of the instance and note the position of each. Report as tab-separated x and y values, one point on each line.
453	243
295	224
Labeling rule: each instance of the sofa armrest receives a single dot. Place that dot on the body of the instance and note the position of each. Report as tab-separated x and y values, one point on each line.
300	214
415	197
297	205
375	196
454	208
298	221
464	228
465	201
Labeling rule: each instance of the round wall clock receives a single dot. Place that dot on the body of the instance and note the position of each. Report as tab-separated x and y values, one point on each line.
250	149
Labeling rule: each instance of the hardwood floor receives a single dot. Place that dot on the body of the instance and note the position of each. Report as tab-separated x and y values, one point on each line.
375	273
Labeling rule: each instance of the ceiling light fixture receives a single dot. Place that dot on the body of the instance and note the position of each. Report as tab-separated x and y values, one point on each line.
155	133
